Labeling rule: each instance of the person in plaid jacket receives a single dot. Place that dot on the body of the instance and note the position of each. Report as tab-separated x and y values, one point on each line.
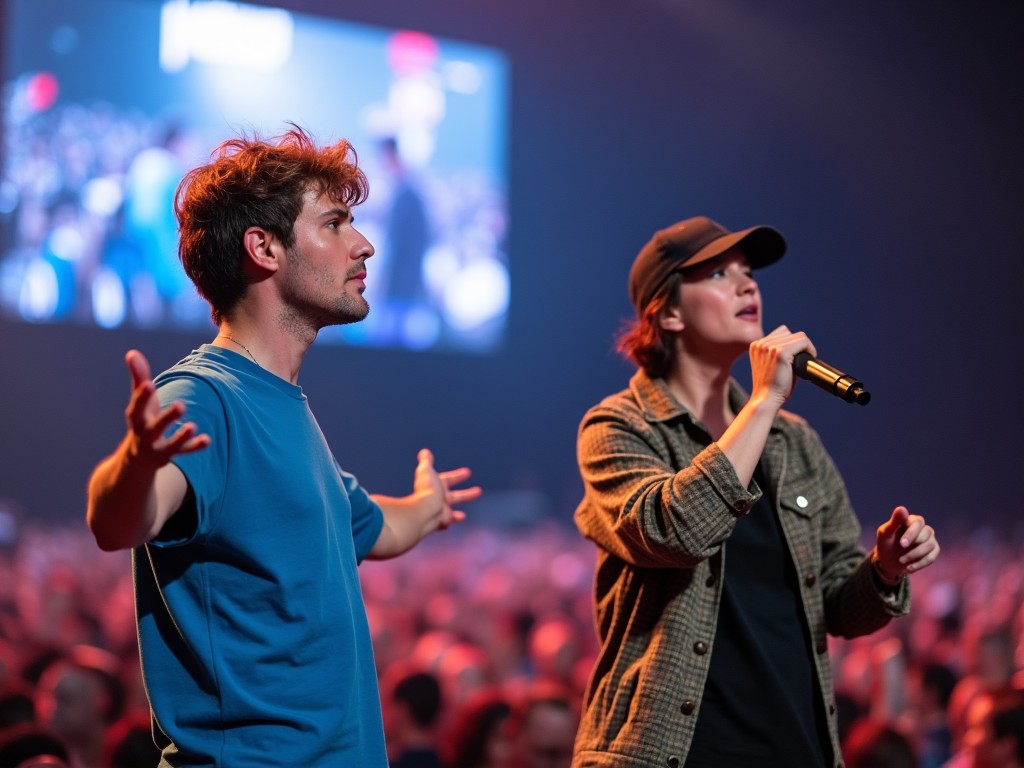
727	548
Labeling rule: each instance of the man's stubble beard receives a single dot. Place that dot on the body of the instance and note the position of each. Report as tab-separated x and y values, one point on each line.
317	311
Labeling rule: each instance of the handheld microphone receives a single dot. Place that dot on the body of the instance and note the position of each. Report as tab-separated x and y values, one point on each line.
830	379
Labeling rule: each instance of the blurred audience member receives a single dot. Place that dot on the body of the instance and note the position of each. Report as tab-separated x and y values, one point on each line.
999	740
993	734
79	696
554	650
37	657
542	728
929	686
129	742
873	743
476	737
463	669
31	746
17	703
990	669
411	706
7	660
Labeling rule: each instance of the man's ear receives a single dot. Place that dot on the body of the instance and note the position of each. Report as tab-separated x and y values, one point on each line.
262	249
671	319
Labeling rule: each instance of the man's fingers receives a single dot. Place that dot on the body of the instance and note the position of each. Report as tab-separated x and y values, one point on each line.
144	409
138	367
463	494
155	428
455	476
185	440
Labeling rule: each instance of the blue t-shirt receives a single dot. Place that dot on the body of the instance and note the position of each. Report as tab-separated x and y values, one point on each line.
253	634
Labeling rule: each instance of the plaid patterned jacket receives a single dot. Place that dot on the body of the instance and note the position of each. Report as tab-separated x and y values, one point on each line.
660	504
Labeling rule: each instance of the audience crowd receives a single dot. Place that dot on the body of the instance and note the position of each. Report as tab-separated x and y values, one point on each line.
483	641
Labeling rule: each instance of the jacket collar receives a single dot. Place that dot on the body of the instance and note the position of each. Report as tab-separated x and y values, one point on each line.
659	404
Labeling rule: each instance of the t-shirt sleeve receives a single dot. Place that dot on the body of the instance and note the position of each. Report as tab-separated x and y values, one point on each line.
205	470
367	517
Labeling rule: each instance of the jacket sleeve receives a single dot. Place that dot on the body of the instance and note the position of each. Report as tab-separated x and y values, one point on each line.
648	503
855	602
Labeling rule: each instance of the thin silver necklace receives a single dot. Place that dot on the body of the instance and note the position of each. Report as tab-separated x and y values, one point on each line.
243	347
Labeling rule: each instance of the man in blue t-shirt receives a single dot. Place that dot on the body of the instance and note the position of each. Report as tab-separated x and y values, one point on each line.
246	533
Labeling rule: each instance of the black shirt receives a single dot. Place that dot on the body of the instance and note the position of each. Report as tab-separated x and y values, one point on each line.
761	704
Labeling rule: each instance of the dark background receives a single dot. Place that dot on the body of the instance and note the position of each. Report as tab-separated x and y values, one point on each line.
882	138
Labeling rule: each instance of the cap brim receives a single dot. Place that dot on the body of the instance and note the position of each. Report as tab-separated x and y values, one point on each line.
761	245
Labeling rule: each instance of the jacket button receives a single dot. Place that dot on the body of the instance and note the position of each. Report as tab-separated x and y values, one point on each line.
822	647
711	580
739	506
688	707
673	761
810	579
700	647
832	708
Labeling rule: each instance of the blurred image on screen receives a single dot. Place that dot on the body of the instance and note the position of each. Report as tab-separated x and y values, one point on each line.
107	103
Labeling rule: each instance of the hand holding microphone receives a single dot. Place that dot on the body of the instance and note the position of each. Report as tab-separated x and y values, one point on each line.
768	354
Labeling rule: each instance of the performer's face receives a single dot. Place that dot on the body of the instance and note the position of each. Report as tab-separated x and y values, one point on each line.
720	304
326	265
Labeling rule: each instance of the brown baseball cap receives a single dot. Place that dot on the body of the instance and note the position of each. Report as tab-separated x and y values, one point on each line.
690	242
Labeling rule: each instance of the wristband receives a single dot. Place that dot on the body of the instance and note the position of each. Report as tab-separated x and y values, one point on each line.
886	578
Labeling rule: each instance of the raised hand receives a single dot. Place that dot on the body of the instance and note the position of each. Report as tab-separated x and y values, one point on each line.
437	488
904	543
430	507
136	489
147	423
